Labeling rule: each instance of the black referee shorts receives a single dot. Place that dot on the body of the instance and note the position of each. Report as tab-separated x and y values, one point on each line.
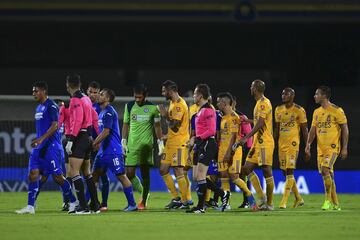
205	151
82	146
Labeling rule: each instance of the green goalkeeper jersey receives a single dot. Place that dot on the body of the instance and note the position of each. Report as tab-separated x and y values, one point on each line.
141	120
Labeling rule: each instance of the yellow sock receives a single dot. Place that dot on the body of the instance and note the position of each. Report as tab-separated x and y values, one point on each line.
188	186
269	190
225	184
208	195
254	179
334	197
288	185
295	190
182	187
242	185
327	184
170	185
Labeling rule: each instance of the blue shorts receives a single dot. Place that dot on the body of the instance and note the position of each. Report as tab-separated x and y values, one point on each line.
113	162
48	162
213	168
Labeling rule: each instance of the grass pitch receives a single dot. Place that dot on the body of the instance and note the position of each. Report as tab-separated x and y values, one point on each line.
307	222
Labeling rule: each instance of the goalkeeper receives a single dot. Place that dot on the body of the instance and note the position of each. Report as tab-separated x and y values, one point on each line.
141	117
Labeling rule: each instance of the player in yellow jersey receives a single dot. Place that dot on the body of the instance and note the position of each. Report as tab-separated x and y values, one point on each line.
175	153
261	153
229	163
329	126
290	119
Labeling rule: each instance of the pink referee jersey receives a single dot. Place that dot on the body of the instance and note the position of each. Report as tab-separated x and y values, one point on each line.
205	122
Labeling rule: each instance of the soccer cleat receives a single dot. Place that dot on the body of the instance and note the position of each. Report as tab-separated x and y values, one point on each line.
190	202
95	208
141	206
72	207
262	203
195	210
103	207
130	208
174	204
269	207
245	205
252	203
65	207
336	207
282	206
185	205
26	210
327	205
298	203
226	208
82	210
225	200
211	203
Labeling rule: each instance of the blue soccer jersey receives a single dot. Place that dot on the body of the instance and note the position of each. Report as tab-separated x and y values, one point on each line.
111	145
97	108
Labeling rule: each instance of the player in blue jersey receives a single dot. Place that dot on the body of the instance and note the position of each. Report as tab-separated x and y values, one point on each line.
93	92
108	145
47	153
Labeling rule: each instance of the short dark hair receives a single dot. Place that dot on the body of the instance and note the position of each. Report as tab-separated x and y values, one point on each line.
325	90
73	80
259	85
170	85
290	90
94	84
41	85
140	88
204	90
110	93
226	95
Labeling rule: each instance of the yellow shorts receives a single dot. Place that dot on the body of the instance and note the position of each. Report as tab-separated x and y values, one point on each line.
190	160
288	159
236	163
175	156
327	159
261	156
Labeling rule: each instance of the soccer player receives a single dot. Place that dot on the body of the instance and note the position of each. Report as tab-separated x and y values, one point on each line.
45	158
290	119
261	153
229	163
82	120
329	126
175	153
205	148
93	92
108	144
141	118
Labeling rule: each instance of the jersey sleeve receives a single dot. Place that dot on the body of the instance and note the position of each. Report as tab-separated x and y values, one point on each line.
61	116
264	109
107	120
177	112
341	117
277	114
313	122
193	122
126	118
53	113
156	115
302	116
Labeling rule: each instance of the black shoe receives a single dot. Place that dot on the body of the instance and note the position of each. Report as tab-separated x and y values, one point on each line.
185	205
211	203
225	200
65	207
195	210
82	210
95	207
245	204
174	204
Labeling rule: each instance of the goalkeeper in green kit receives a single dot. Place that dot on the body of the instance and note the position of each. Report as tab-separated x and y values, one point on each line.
141	120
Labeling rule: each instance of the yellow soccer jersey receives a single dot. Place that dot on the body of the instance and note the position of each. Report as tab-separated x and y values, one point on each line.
263	137
229	124
193	109
290	120
179	111
327	122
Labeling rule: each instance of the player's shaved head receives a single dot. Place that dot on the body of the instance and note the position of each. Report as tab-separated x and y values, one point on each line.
259	85
290	91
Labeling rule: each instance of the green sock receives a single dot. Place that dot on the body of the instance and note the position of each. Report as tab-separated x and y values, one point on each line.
137	184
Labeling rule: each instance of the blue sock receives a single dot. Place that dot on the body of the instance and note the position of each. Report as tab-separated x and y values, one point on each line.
38	191
251	200
33	188
67	193
87	194
129	196
105	188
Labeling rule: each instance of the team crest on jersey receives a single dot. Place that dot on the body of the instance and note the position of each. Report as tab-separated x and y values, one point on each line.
294	144
146	110
178	109
328	119
133	117
260	140
262	107
333	145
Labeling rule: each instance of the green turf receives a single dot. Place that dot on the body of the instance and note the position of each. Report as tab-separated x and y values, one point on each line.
307	222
